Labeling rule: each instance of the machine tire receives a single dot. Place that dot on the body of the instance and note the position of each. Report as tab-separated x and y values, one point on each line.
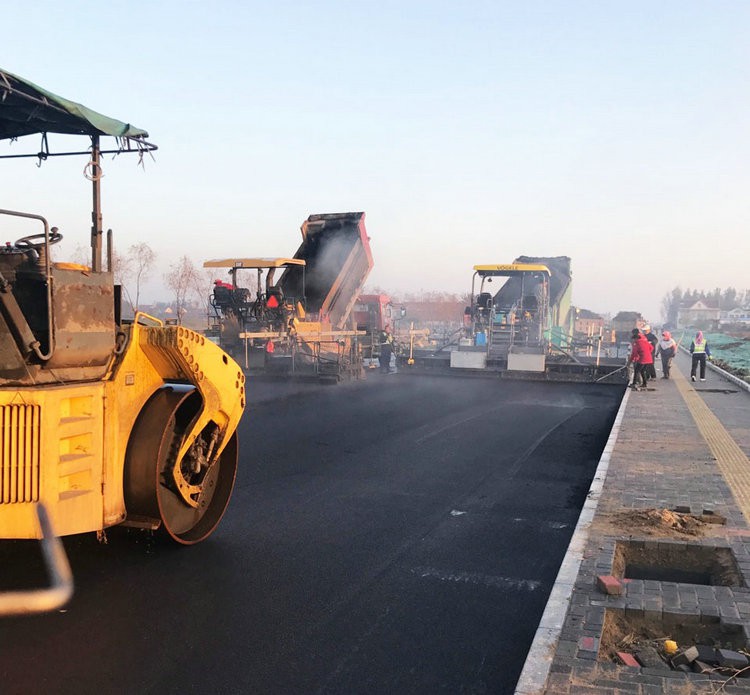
157	433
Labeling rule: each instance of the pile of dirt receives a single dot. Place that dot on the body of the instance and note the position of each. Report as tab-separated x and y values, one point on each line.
658	522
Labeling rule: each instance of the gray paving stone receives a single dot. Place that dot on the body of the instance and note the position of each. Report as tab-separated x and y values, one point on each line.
656	467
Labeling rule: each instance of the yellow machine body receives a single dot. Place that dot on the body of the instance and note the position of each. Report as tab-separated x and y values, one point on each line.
102	420
65	445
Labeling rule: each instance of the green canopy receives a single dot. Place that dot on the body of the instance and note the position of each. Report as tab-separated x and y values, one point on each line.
26	109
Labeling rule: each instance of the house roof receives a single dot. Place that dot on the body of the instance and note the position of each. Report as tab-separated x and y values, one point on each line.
627	316
587	314
699	305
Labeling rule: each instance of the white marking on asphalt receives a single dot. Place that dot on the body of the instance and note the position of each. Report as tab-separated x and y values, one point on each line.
455	512
477	578
451	425
550	524
486	412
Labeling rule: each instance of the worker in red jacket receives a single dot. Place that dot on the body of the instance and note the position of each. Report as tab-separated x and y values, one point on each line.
654	342
642	358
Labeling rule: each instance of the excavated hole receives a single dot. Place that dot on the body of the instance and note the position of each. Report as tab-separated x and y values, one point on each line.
632	631
676	562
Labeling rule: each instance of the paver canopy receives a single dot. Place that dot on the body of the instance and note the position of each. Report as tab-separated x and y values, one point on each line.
26	109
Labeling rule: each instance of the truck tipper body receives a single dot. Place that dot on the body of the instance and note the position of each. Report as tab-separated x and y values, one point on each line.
337	256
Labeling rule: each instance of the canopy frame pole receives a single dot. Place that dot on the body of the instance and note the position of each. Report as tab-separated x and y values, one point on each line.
96	206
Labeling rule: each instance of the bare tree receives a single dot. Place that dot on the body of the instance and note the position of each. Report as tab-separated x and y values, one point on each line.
130	270
138	264
204	289
122	270
184	279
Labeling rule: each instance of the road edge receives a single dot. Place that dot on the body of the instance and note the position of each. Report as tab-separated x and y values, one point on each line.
539	660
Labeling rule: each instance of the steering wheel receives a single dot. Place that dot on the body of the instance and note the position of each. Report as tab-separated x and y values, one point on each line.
36	241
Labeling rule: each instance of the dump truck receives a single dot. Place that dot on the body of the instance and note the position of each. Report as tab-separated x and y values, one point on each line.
104	421
373	313
523	329
292	315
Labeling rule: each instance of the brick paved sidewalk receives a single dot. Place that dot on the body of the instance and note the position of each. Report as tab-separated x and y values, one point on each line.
668	451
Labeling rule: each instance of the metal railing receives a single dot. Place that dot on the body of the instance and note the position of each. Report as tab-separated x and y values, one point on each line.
60	576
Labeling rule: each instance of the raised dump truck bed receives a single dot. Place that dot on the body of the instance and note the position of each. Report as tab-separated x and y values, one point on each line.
336	251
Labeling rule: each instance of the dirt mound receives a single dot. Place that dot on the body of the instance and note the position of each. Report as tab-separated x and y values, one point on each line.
658	522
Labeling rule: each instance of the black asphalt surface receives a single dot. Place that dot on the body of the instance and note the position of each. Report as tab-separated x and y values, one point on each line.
398	535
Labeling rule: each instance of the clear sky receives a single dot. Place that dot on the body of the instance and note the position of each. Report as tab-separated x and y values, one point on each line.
469	132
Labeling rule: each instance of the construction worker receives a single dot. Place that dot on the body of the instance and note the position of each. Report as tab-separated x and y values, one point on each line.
700	351
386	349
642	359
667	348
653	341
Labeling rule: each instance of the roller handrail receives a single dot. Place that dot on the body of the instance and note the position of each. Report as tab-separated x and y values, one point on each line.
56	562
48	281
143	315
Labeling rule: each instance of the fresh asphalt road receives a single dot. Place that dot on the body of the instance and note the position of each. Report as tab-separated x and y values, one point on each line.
397	535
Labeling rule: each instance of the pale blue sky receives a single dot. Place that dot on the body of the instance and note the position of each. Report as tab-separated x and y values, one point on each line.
614	133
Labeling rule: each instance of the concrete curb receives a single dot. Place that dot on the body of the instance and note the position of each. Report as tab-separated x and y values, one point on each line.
542	651
723	373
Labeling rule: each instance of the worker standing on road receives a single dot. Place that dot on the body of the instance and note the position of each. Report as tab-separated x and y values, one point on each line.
642	358
653	342
386	349
700	351
667	348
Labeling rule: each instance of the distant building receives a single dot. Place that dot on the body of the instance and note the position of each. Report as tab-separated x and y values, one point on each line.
737	316
627	321
587	322
624	323
700	314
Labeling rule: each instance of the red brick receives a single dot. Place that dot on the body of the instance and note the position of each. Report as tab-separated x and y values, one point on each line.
628	659
609	585
588	644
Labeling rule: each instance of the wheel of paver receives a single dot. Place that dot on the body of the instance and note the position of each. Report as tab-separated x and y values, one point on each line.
188	499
